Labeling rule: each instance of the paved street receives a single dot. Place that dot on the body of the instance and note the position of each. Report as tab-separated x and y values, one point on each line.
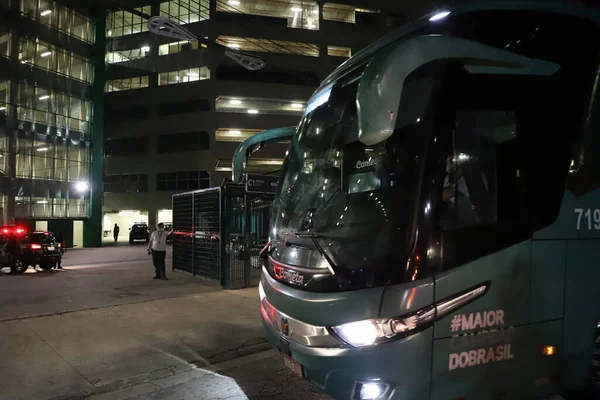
103	328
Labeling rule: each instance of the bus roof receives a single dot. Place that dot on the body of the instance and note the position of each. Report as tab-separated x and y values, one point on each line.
552	6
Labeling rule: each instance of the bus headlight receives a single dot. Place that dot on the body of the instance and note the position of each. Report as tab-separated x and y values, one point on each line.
375	331
371	332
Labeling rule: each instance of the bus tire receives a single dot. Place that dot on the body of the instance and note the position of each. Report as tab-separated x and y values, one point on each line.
595	366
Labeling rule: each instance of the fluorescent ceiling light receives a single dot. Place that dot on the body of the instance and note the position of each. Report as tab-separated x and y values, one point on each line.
2	108
109	33
44	97
234	2
252	111
43	202
439	15
234	45
236	102
46	12
193	74
296	105
42	149
146	48
45	54
237	133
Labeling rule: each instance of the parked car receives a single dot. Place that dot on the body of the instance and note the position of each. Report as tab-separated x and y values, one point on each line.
168	228
23	249
139	232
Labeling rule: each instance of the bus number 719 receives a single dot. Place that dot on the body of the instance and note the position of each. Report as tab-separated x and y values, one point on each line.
587	214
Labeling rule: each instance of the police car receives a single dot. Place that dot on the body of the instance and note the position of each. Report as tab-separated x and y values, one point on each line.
20	249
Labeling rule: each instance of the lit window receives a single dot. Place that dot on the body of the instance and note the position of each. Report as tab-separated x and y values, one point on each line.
117	85
58	17
234	135
343	13
299	14
264	165
337	51
123	56
186	11
183	76
255	105
121	23
269	46
176	47
238	135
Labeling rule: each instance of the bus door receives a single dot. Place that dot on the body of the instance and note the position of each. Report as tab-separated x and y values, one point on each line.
488	131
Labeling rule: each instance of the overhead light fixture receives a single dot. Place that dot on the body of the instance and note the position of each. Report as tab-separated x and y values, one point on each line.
43	202
234	2
236	133
296	9
109	33
234	45
146	48
252	111
439	15
44	97
193	74
297	105
236	102
46	12
42	149
2	108
45	54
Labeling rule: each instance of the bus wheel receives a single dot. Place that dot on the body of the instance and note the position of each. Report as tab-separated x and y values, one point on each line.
594	386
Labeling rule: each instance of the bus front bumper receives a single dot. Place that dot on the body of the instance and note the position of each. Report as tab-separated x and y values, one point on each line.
396	370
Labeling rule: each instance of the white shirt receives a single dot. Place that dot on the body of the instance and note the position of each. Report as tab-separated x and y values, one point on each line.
158	240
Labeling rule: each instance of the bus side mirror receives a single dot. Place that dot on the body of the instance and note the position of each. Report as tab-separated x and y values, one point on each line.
383	82
253	144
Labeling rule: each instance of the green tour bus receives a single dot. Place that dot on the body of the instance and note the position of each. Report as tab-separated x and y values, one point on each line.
436	228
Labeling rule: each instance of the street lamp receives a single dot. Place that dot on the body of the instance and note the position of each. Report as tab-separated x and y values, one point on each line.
82	186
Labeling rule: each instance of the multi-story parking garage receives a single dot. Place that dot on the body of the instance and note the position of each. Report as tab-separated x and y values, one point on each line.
175	110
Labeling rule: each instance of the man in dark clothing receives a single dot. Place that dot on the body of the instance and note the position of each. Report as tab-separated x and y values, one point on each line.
116	232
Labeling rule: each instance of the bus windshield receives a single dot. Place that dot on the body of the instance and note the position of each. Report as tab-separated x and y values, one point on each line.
351	197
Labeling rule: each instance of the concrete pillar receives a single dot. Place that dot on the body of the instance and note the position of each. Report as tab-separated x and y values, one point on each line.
92	227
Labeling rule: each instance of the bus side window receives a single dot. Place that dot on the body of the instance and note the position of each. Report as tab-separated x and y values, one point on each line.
481	173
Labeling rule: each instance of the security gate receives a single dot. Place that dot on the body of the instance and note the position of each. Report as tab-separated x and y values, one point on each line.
219	232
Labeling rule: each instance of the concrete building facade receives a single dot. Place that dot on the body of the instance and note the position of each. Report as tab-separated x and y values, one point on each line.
176	111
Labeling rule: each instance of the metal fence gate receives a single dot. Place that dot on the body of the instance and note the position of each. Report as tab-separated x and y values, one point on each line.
219	233
197	225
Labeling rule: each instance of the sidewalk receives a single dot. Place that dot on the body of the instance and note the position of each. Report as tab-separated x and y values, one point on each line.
87	352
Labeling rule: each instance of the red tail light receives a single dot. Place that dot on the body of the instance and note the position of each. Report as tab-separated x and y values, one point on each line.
20	230
36	247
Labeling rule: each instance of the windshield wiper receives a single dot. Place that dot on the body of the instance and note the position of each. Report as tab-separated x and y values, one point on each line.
314	237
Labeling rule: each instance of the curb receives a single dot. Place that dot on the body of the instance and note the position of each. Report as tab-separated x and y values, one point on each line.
164	378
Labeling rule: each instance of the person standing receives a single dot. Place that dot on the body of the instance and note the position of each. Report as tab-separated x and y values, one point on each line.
157	246
116	231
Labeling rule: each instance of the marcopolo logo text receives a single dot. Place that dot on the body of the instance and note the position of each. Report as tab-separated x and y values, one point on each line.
365	164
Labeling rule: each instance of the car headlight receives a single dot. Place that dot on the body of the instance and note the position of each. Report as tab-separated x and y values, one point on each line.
372	332
375	331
